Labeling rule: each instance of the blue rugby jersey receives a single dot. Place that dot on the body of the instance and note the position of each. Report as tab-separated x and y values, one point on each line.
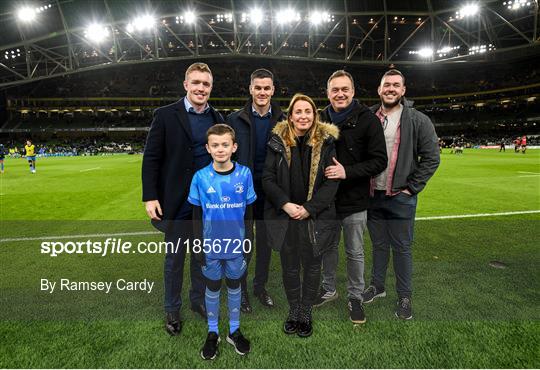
223	199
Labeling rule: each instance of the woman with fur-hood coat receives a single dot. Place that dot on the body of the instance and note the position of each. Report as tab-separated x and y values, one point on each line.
300	214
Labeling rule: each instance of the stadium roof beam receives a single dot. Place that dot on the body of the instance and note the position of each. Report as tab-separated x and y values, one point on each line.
511	26
344	44
66	29
327	36
289	34
408	38
116	44
359	45
454	32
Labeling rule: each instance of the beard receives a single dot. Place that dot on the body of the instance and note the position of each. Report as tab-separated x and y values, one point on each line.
390	105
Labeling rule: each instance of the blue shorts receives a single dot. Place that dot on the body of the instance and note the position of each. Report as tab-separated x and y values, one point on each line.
217	269
31	158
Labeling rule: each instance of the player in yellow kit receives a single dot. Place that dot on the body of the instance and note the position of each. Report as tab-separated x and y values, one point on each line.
31	155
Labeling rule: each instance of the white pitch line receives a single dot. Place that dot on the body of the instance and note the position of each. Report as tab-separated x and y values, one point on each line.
534	173
144	233
90	169
477	215
79	236
530	175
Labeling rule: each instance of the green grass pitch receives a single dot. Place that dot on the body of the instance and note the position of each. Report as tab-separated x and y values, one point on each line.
467	314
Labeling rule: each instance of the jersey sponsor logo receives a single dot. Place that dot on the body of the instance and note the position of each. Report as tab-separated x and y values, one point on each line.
211	190
225	198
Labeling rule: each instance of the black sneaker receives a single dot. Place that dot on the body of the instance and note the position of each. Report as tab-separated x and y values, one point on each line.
240	343
265	298
371	293
210	349
245	306
356	311
325	297
404	309
173	324
200	309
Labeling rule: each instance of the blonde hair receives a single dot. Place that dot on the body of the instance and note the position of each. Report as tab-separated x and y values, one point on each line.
201	67
290	135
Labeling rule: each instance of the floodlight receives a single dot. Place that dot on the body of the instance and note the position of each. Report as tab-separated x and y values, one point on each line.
425	52
190	17
469	10
288	15
318	17
96	32
256	16
141	23
26	14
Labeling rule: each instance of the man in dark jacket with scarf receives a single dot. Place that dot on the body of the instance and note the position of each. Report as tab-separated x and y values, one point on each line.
253	125
361	154
174	151
413	157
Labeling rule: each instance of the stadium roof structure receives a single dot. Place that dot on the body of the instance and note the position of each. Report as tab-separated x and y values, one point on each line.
44	39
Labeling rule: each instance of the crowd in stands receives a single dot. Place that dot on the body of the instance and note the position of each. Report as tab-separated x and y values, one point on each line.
231	79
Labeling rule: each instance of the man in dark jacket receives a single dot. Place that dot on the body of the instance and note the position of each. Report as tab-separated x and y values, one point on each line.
253	125
175	150
413	157
361	154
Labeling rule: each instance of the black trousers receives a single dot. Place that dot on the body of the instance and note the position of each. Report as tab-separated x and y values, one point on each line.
174	268
297	255
262	251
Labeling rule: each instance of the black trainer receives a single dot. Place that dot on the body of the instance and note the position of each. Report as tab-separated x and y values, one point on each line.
245	306
356	311
173	324
199	308
210	349
265	298
372	292
240	343
404	309
305	323
325	297
291	324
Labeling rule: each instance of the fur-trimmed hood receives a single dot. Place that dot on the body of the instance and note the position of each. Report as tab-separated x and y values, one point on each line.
325	133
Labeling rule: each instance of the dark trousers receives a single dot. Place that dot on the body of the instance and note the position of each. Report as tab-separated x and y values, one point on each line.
263	252
391	227
297	253
174	268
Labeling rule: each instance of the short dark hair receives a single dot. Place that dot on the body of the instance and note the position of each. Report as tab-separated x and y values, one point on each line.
221	129
393	72
340	73
261	73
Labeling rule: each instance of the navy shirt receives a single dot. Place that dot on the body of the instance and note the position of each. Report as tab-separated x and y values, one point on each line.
261	125
199	123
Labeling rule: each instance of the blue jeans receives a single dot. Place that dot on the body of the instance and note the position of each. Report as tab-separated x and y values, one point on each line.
353	233
391	227
174	269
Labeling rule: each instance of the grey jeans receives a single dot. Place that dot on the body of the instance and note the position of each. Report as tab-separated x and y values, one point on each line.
353	233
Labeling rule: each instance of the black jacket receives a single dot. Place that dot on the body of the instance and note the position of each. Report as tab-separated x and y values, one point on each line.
242	123
321	191
361	149
167	167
